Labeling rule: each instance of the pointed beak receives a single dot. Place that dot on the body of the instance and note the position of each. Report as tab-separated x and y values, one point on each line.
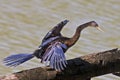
99	28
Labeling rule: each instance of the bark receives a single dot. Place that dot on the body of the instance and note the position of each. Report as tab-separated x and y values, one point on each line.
80	68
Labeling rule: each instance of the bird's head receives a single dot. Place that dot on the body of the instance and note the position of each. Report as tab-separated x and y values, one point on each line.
94	24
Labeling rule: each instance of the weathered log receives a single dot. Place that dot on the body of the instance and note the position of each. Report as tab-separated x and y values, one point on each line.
81	68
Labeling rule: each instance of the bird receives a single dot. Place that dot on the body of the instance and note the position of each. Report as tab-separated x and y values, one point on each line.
53	47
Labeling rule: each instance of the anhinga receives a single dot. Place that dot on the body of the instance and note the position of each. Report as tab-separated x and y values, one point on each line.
52	48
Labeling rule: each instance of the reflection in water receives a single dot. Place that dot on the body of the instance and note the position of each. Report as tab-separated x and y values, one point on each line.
24	23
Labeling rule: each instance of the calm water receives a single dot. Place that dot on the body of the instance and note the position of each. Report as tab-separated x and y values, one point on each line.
23	24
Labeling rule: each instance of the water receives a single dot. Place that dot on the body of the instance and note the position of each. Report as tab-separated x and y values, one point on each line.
23	24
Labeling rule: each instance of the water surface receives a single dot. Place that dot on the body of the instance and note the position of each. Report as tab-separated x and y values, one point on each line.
23	24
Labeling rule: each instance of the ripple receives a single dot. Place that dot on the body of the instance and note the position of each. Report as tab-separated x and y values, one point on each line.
23	24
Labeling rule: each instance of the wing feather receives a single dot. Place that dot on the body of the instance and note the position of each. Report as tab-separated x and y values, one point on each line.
55	55
55	31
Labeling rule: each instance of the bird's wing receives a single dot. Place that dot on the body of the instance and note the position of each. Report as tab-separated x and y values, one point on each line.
55	31
49	41
55	55
41	49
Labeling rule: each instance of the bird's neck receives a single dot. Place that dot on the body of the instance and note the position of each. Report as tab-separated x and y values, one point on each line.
76	36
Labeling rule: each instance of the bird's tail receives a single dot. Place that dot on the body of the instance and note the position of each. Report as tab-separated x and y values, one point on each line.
17	59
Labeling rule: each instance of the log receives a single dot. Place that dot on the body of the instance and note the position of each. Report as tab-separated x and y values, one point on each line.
80	68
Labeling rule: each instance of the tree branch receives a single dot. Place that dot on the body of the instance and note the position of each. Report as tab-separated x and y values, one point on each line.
81	68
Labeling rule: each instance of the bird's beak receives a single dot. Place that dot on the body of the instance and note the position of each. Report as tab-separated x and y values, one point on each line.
99	28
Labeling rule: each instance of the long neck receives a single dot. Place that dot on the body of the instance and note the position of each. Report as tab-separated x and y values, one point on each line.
77	33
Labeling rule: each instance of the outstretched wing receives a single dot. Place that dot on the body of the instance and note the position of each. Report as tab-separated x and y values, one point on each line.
55	31
55	55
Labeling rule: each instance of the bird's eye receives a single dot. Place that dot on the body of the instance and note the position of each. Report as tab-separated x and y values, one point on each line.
94	24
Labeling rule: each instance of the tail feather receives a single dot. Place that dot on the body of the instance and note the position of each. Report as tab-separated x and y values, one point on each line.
17	59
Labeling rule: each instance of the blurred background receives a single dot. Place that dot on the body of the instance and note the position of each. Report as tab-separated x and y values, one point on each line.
23	24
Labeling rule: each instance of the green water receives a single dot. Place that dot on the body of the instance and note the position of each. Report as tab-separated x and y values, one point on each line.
23	24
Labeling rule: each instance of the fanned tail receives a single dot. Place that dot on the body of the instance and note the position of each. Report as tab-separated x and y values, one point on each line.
17	59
